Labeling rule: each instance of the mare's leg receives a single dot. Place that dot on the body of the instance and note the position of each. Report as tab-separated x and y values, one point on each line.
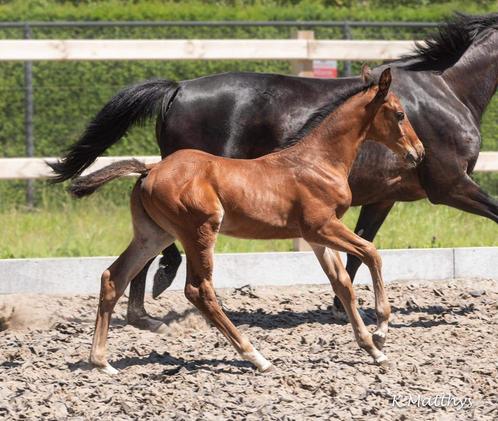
200	292
343	288
136	314
149	239
371	218
168	266
468	196
336	235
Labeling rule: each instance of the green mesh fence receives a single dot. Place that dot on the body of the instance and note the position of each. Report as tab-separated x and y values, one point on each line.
68	94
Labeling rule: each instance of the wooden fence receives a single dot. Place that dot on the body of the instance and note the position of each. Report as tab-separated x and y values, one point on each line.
301	51
212	49
36	168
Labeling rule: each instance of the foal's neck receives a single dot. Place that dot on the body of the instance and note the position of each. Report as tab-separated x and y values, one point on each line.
336	141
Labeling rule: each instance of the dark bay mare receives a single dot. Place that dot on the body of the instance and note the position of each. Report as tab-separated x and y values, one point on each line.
444	86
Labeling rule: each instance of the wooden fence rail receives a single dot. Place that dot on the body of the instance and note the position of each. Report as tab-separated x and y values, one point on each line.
36	168
209	49
301	50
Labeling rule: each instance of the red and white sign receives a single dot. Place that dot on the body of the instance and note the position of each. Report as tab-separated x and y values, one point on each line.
326	69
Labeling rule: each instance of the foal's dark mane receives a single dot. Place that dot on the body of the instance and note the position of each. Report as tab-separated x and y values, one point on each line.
444	48
320	114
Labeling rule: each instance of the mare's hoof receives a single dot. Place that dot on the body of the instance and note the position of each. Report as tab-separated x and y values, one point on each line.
148	323
163	279
339	314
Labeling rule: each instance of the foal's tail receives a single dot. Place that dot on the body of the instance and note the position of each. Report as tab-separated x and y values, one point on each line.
86	185
131	106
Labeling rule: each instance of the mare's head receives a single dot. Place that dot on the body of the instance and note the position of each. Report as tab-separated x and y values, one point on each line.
390	125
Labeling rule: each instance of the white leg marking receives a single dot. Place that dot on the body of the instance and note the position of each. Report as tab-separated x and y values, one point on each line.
108	369
381	358
380	333
161	329
257	359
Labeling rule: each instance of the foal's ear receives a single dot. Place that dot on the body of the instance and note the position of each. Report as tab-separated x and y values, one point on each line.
384	83
366	73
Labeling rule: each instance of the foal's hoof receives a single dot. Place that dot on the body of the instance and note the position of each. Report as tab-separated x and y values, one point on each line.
379	339
148	323
383	362
160	329
108	369
270	369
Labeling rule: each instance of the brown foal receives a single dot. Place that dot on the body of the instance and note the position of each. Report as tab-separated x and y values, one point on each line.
301	191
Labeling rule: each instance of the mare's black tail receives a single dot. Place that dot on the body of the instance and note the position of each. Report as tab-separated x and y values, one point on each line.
131	106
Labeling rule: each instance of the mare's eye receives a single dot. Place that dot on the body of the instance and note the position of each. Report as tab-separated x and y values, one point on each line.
400	115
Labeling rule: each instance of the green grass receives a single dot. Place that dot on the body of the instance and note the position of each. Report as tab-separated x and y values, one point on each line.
92	227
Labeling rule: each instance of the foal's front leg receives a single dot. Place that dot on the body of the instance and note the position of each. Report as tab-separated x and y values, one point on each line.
336	235
341	283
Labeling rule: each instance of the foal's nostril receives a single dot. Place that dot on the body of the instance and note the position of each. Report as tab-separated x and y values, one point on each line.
420	155
412	159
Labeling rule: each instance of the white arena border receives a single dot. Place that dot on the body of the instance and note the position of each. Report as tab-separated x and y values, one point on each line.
233	270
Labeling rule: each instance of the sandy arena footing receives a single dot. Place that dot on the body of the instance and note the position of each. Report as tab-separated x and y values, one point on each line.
442	344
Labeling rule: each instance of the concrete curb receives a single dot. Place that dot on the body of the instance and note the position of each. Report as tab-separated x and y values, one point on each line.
232	270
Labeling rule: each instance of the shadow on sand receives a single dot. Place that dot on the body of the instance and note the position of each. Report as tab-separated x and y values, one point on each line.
284	320
177	364
289	319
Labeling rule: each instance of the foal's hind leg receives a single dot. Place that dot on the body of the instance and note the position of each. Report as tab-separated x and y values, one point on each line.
149	239
200	292
343	288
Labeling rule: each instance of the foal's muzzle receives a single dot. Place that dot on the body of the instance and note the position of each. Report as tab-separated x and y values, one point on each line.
414	158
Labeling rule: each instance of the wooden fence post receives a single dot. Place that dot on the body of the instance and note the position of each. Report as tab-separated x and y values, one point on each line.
28	119
302	68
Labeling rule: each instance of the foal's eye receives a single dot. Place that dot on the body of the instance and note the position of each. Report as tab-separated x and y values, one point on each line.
400	115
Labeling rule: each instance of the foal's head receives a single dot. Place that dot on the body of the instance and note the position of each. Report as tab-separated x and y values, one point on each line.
390	125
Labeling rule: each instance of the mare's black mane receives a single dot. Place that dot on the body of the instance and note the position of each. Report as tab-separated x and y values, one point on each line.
444	48
438	52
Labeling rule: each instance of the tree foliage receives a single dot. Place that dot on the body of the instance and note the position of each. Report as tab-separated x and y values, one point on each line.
68	94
